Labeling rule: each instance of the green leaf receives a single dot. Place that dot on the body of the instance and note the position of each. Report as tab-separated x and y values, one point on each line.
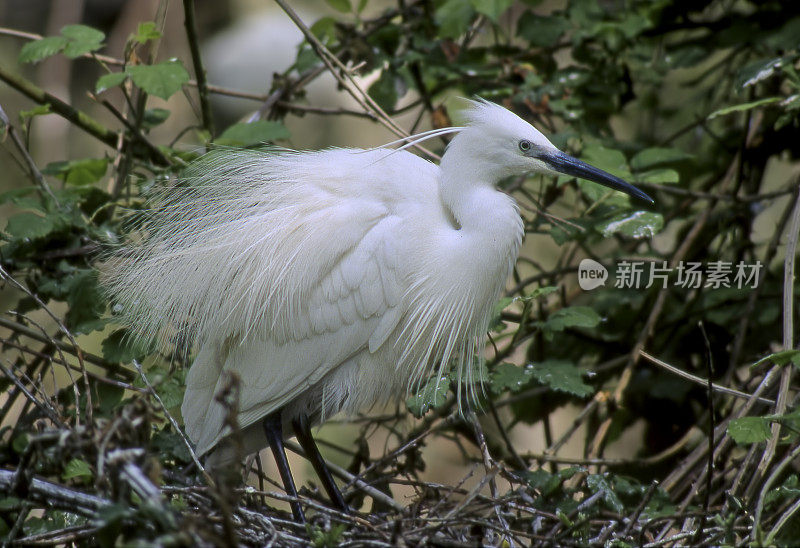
384	90
572	316
108	398
77	468
8	504
431	396
563	376
120	347
86	301
781	358
81	39
170	446
744	106
788	491
145	32
607	159
492	9
541	30
597	482
324	29
507	376
749	430
453	18
169	386
108	81
539	292
23	196
637	224
260	131
757	71
161	80
659	176
343	6
499	306
37	50
20	443
543	481
655	156
306	59
30	226
155	117
78	172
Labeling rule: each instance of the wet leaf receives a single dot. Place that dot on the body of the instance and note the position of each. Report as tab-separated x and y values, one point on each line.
507	376
431	396
637	225
563	376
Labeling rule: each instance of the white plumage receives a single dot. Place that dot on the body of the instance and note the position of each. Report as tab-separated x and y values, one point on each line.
329	280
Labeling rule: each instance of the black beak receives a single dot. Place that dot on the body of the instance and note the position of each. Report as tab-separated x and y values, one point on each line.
566	164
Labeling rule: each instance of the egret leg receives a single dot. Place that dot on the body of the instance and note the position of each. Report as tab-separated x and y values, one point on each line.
274	432
302	430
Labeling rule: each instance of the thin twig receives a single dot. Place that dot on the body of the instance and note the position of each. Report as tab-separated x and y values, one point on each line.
114	368
78	352
33	169
788	332
174	423
700	380
73	115
199	71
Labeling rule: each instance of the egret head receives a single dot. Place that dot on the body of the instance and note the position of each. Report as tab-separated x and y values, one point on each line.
506	145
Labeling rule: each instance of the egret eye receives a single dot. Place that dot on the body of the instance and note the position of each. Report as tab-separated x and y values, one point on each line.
525	145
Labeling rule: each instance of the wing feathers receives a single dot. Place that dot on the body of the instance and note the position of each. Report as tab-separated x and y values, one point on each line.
265	257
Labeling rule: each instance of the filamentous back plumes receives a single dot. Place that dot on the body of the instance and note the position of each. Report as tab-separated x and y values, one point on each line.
331	280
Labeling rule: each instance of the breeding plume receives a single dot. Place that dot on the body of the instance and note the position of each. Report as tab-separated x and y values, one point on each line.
332	280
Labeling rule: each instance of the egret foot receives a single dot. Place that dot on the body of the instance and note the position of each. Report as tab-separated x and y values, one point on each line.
302	430
273	429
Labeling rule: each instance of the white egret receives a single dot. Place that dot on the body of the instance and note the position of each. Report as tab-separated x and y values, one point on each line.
332	280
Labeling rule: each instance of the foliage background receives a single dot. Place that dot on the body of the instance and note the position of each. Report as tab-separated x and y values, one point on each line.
582	438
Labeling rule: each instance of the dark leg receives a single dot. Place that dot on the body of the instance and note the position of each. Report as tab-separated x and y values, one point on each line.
303	432
274	432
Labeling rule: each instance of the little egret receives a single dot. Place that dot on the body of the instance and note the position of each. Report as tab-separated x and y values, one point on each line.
335	279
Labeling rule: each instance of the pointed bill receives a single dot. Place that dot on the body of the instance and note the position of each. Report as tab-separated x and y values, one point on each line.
566	164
